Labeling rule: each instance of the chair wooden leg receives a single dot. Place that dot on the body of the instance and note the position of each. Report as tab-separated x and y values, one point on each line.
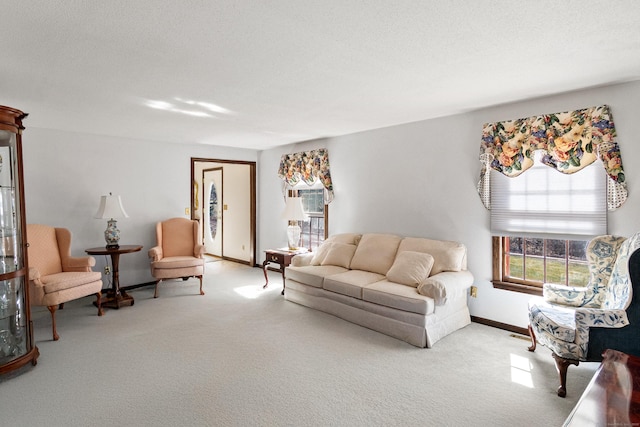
533	339
562	365
52	309
99	303
155	292
201	291
61	306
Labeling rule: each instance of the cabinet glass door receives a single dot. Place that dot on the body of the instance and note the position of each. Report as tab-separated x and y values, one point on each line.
13	341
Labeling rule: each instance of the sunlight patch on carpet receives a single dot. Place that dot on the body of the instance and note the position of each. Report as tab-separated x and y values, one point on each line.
253	292
521	371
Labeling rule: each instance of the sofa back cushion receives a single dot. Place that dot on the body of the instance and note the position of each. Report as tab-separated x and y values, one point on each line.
375	253
339	254
322	251
447	255
348	238
410	268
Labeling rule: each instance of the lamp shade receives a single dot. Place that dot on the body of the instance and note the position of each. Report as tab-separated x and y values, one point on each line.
293	210
110	207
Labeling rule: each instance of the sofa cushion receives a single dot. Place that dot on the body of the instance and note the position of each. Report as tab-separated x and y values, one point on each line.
447	256
348	238
375	253
72	279
339	254
410	268
320	253
350	282
312	275
398	296
433	288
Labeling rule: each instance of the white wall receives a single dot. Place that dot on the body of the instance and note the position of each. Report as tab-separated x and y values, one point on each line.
66	173
419	179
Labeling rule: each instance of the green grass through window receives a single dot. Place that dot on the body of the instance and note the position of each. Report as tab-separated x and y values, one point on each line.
578	272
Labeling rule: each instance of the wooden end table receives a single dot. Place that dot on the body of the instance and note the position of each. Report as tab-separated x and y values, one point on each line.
115	297
612	398
282	257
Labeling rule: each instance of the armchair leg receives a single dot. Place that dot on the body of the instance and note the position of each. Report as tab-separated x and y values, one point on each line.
52	309
155	292
99	303
533	339
61	306
562	365
201	291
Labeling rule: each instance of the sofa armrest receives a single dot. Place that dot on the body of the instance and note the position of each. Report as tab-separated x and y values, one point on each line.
301	260
574	296
83	263
155	253
448	284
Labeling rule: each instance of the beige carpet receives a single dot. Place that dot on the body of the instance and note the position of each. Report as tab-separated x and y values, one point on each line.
243	356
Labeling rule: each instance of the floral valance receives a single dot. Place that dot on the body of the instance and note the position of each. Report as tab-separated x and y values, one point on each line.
571	141
309	167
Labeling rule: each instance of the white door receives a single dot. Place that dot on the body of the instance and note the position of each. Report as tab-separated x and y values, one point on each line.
212	211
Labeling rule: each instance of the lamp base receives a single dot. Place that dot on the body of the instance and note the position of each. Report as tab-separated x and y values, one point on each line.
293	236
112	234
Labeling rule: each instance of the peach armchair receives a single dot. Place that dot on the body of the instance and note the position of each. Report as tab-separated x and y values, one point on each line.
56	277
179	253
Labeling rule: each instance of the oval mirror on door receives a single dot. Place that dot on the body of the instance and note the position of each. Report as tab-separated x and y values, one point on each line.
213	211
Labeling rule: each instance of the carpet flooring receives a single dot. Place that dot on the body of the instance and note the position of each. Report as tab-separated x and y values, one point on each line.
243	356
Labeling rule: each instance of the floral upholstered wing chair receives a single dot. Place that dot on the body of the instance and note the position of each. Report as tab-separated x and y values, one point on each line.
579	323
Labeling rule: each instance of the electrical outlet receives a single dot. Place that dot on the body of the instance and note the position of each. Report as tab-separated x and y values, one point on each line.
186	211
473	292
107	270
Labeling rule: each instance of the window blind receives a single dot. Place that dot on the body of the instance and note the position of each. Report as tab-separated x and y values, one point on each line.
546	203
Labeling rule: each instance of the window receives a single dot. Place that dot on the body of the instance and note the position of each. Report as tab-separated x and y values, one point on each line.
543	221
529	262
314	228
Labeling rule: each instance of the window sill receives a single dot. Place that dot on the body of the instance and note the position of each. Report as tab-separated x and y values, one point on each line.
517	287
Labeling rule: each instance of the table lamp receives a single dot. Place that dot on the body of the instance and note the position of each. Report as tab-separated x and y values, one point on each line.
110	209
293	212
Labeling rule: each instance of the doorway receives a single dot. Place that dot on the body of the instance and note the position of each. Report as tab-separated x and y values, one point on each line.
223	200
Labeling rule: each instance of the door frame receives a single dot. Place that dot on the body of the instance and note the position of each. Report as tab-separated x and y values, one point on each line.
252	195
220	231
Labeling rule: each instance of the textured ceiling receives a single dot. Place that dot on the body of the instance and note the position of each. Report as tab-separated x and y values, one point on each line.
258	74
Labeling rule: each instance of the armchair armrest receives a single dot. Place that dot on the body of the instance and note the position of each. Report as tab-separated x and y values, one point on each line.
600	318
155	253
83	263
34	276
301	260
574	296
198	251
36	287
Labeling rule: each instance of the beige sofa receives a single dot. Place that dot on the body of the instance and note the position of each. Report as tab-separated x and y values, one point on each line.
413	289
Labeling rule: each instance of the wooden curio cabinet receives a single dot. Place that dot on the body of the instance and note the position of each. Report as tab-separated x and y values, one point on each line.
17	347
